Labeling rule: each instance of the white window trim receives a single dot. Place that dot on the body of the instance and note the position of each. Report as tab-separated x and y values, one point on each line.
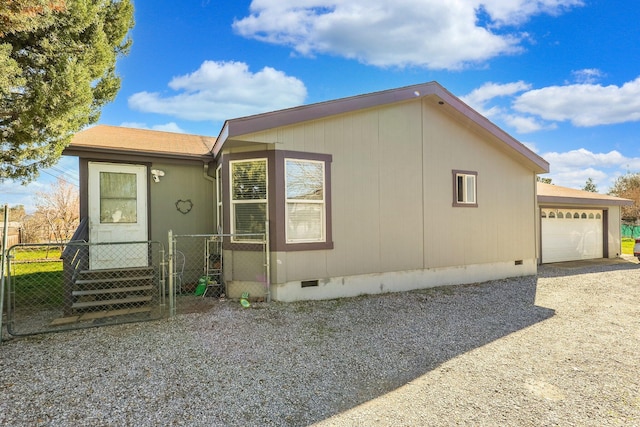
323	203
219	204
233	203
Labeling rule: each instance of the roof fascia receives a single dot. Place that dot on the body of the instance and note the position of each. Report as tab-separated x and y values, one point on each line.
108	153
220	140
556	200
483	122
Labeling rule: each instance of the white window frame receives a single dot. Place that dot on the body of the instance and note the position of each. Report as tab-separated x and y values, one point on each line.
219	204
321	202
466	196
234	203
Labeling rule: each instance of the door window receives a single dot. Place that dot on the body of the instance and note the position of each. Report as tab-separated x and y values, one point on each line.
118	196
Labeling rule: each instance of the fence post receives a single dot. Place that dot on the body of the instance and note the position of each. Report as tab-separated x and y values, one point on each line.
267	261
172	295
162	274
5	239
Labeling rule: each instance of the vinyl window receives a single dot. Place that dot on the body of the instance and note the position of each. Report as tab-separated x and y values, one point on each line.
305	201
465	188
248	198
118	198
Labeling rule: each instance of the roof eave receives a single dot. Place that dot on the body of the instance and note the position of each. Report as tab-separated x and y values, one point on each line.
221	139
540	164
86	151
559	200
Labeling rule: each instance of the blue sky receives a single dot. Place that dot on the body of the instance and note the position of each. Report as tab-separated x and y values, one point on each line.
561	76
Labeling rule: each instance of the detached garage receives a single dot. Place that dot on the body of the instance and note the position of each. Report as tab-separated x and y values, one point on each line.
578	225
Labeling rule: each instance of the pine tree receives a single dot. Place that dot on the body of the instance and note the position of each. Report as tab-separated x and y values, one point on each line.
590	186
57	70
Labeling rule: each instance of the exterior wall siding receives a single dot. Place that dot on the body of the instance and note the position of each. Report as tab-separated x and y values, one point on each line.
181	182
501	228
614	230
392	202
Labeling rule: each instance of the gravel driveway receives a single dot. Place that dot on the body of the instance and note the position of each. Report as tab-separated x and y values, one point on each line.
562	349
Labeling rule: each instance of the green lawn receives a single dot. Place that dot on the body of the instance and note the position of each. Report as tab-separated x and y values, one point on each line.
35	252
36	276
38	284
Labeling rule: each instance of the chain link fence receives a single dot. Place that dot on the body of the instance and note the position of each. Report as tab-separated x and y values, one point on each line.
53	287
211	268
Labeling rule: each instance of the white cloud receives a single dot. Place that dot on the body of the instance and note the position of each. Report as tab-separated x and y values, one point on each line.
582	158
490	90
587	75
573	168
480	98
526	124
577	178
584	104
514	12
167	127
222	90
426	33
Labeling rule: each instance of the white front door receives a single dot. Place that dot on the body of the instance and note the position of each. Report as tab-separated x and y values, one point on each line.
117	213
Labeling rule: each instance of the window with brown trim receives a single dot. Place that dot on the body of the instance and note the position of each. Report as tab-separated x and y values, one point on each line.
465	188
289	189
305	200
303	209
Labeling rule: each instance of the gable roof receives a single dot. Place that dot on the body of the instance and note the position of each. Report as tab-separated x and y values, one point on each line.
554	194
261	122
140	142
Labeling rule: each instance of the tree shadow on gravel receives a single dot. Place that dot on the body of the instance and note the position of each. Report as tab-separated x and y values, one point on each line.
355	350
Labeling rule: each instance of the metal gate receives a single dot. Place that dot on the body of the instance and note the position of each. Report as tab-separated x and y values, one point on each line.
51	287
208	269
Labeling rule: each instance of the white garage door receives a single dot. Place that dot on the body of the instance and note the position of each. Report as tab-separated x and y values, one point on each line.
569	234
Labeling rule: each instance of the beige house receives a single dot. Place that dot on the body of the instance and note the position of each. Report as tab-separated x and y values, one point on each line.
417	190
390	191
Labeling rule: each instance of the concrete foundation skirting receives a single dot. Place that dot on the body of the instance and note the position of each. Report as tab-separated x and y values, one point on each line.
400	281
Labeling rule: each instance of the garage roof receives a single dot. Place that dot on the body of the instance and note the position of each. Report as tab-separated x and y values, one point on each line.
554	194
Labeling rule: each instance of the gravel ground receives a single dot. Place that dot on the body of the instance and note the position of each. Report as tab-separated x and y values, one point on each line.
561	349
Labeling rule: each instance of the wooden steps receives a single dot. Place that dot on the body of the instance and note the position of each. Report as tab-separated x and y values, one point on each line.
113	290
115	301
